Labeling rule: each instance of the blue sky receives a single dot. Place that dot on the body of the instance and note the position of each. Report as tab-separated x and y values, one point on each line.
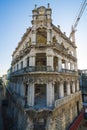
15	19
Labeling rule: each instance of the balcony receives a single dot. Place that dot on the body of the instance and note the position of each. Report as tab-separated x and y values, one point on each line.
68	71
38	68
30	69
66	99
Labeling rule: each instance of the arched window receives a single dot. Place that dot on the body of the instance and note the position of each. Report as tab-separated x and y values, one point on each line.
41	36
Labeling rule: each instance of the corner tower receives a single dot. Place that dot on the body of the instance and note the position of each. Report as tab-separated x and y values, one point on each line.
41	24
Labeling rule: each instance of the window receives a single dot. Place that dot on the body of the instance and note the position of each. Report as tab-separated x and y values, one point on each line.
41	36
27	61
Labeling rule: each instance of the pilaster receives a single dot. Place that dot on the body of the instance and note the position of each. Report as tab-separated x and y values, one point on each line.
49	36
50	61
50	94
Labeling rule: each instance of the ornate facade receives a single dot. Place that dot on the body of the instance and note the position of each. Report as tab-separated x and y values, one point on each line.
44	86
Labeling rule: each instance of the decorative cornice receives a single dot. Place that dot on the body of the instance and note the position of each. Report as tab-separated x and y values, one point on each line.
63	35
22	39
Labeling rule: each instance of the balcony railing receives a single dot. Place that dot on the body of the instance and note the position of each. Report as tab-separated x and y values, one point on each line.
40	68
68	71
66	99
32	69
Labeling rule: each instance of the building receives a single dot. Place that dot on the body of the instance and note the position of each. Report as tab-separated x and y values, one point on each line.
83	84
44	86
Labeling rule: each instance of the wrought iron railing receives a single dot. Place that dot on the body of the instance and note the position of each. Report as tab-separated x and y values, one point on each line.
68	71
40	68
32	69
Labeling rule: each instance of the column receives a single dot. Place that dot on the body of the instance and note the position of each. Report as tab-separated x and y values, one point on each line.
50	94
33	37
49	36
59	64
68	88
61	90
66	65
31	94
73	87
32	61
77	85
50	62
